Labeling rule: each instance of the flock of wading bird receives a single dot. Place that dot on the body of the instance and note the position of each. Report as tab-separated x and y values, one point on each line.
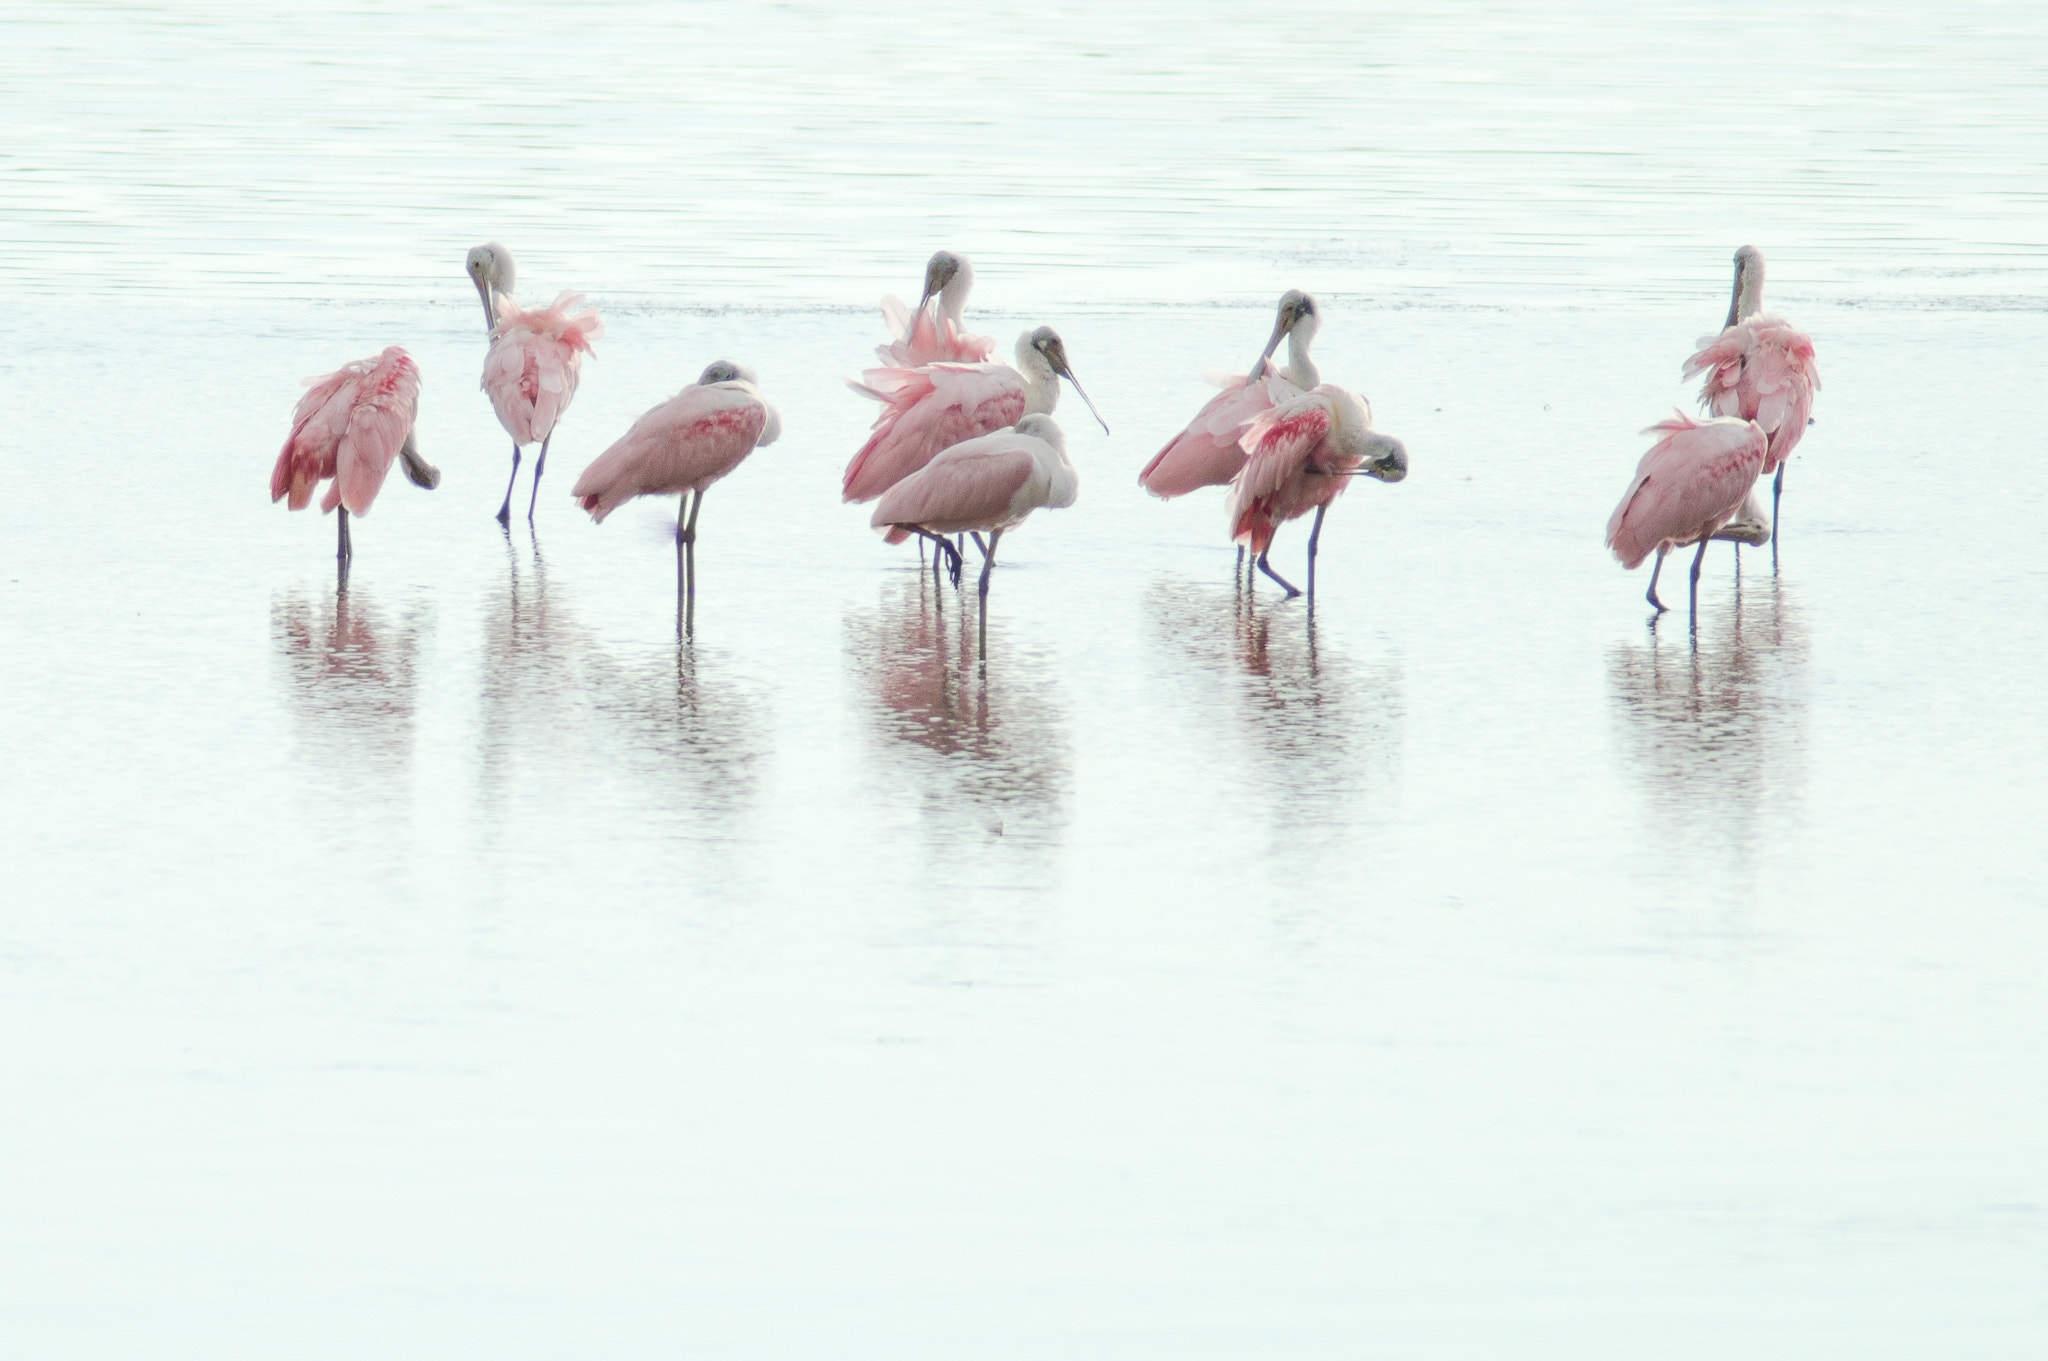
966	447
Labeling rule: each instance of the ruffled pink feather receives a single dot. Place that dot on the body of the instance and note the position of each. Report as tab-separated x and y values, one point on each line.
924	410
348	427
929	337
535	362
1760	369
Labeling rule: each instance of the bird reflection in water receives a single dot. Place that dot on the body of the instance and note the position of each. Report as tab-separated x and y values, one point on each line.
1714	727
532	707
677	716
352	680
983	744
1316	735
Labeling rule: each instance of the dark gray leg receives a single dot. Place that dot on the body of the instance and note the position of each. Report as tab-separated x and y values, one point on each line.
1237	573
505	511
540	465
1697	559
1315	533
1655	603
978	543
988	564
344	553
1267	568
942	551
690	562
1777	490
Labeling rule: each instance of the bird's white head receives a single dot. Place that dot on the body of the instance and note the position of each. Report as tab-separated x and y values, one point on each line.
724	371
490	269
949	277
1749	286
1042	359
1038	425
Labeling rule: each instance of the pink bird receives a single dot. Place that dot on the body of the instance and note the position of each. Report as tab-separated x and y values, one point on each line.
1299	456
989	485
349	426
1693	481
680	448
936	406
1207	453
932	334
534	363
1759	369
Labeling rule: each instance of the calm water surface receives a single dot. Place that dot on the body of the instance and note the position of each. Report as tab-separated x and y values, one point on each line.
456	966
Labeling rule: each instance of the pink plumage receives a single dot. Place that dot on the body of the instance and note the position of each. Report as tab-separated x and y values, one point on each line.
535	359
973	487
928	337
1297	459
1762	370
349	426
1209	453
1691	482
684	445
924	410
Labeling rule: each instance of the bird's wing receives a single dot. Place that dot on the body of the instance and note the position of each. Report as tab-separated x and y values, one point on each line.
690	441
929	409
382	416
967	486
1207	453
1279	441
317	423
1719	357
1690	483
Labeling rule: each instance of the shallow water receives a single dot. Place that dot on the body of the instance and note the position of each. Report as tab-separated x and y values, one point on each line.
458	966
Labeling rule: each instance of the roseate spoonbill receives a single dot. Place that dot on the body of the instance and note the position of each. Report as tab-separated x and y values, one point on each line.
349	426
682	447
930	334
1759	369
988	484
1694	480
935	406
534	362
1299	456
1207	453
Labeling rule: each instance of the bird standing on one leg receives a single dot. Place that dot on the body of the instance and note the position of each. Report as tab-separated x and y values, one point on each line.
349	427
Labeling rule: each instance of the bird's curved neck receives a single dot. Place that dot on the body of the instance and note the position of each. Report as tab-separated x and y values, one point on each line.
1041	390
1299	369
1748	297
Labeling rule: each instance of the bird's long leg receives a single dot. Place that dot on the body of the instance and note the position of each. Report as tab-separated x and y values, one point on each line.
344	552
540	465
1237	573
984	547
689	537
1314	533
1267	568
1777	490
505	511
988	564
1697	559
1655	603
